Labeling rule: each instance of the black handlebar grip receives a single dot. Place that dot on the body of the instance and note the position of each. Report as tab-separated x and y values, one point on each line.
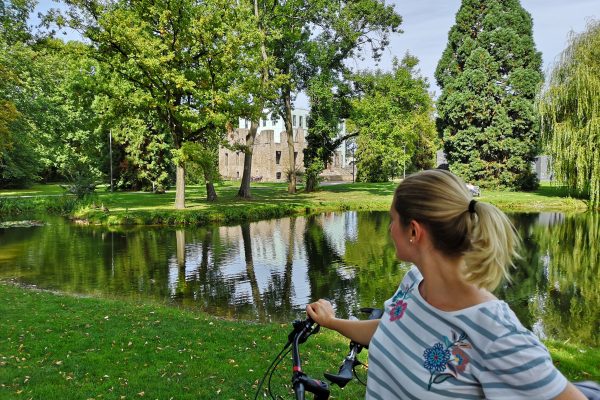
344	375
374	313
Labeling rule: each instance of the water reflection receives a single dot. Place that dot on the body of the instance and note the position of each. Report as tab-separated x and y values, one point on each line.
269	270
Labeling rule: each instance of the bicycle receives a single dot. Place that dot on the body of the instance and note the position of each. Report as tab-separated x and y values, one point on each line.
303	383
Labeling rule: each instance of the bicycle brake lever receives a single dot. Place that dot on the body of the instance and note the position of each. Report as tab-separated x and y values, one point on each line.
344	374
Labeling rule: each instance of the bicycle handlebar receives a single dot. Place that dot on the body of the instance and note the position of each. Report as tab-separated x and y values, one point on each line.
346	371
300	381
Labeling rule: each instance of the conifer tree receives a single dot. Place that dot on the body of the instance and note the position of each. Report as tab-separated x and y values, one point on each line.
489	75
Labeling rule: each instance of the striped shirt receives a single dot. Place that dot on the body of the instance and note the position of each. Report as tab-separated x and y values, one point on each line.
419	352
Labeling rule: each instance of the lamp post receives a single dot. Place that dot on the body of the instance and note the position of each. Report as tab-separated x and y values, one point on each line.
111	160
404	163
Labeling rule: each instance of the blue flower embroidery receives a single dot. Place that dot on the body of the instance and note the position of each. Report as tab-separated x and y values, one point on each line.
436	358
449	355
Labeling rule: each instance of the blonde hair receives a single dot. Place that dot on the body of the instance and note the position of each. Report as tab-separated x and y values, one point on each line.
485	237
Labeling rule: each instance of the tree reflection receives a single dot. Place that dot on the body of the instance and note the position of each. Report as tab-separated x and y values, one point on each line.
256	298
271	269
570	306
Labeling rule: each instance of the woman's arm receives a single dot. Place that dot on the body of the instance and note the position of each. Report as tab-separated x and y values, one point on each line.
570	393
358	331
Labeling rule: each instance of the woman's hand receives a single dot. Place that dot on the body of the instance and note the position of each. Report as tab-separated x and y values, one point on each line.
321	312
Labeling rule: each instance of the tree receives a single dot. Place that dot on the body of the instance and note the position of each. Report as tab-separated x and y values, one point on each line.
187	59
343	29
394	119
18	161
264	88
326	108
13	20
489	74
570	109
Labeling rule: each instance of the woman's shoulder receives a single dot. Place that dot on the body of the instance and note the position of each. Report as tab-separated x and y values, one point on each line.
413	275
496	327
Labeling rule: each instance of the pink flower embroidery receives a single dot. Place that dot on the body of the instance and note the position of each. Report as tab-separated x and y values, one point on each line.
461	359
398	310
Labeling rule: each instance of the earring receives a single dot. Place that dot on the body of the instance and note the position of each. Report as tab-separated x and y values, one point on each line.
410	241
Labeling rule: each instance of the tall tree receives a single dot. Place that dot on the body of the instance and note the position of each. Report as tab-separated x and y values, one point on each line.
394	119
342	30
489	75
188	59
570	109
264	88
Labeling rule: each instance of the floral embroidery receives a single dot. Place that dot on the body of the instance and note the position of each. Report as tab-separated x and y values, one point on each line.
436	358
399	303
448	356
461	359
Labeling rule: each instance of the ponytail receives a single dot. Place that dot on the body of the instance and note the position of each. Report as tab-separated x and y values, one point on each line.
493	247
460	226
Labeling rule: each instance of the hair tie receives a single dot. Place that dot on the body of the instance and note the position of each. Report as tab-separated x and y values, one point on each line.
472	206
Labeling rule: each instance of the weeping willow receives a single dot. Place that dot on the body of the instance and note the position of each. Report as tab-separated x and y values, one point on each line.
570	110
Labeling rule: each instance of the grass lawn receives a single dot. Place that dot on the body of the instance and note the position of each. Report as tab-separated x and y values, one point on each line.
38	189
270	200
64	347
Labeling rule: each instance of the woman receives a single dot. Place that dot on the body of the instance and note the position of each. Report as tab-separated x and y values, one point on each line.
444	335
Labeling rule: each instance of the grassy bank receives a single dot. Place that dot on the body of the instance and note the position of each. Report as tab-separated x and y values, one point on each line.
63	347
270	200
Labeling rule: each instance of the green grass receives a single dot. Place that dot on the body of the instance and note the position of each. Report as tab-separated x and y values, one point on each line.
270	200
63	347
38	189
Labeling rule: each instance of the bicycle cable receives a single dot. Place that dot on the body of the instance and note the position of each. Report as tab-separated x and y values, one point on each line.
271	367
356	375
273	371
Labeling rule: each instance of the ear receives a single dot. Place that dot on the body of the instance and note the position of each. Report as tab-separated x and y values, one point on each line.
417	231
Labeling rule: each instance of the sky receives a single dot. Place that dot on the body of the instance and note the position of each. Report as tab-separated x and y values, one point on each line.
426	24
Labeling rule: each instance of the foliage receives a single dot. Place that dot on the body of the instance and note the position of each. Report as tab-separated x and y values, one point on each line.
18	162
393	116
48	92
326	108
188	62
81	185
341	31
202	162
147	145
312	172
13	20
570	108
489	74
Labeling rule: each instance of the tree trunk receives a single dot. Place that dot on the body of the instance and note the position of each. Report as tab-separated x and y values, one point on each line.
180	187
258	303
211	194
289	270
244	191
180	237
287	97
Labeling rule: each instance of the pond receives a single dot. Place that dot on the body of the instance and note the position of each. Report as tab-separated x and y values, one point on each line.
269	270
